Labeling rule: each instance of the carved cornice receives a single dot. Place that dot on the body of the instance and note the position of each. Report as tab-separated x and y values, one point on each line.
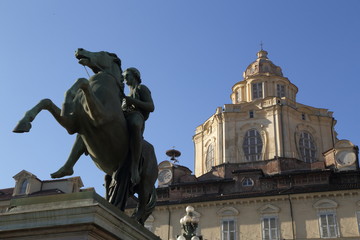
256	200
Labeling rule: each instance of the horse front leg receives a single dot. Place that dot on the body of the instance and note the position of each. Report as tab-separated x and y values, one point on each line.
92	106
24	125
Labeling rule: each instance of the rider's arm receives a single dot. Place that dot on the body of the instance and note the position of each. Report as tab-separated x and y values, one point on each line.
145	103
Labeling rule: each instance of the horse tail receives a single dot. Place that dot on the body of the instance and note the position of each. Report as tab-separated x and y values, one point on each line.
153	198
149	206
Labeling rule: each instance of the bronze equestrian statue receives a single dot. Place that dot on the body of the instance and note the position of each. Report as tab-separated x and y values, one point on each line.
94	110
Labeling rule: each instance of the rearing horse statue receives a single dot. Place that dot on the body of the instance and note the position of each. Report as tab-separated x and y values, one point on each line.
92	108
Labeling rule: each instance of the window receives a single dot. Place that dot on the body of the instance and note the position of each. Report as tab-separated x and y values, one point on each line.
247	182
326	209
228	229
328	225
23	186
252	145
239	96
303	116
209	157
307	147
280	90
270	228
257	91
251	114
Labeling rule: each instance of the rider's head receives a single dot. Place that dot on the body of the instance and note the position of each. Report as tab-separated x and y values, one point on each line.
135	73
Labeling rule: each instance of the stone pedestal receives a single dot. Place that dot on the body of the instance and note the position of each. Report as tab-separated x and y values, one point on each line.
82	215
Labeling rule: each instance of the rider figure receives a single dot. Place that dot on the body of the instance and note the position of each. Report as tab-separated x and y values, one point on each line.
137	107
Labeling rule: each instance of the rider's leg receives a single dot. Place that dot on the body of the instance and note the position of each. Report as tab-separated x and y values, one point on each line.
135	123
77	150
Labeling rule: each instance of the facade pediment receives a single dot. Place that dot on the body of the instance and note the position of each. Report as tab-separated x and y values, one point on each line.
228	211
269	209
24	174
325	204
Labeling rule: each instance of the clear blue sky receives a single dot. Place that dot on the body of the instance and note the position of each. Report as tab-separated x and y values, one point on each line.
190	54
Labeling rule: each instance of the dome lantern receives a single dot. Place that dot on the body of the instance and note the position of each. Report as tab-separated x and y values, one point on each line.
262	66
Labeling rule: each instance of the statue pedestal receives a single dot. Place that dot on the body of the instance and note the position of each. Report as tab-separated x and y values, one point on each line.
82	215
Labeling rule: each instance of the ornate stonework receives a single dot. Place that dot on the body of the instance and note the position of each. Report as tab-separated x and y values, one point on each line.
264	100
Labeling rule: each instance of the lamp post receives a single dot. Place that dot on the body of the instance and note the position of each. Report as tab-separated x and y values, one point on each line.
189	224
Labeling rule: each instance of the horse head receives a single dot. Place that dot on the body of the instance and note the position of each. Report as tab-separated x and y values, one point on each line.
98	61
102	62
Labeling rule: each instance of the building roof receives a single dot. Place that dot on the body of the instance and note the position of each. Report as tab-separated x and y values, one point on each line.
231	186
6	194
275	192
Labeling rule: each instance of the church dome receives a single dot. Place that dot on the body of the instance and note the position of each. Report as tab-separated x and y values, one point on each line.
262	66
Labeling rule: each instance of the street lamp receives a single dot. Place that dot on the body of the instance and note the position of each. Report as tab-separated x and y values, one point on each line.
189	223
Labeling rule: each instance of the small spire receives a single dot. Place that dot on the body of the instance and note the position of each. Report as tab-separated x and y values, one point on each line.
262	53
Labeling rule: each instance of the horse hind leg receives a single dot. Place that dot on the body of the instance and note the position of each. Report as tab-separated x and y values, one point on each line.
139	211
150	205
146	205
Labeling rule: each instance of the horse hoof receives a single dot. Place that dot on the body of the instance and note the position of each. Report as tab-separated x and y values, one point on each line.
22	127
62	172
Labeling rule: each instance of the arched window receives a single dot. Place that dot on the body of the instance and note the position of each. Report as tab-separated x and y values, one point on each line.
252	145
307	147
209	162
280	90
23	186
257	90
239	95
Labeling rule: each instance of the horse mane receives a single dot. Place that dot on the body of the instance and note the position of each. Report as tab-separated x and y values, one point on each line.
116	59
119	82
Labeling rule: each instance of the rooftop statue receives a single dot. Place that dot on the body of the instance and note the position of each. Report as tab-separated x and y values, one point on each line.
109	127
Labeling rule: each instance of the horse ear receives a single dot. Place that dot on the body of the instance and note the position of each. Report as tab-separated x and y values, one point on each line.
116	59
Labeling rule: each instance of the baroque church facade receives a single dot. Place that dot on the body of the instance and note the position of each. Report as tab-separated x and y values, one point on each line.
263	122
266	167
